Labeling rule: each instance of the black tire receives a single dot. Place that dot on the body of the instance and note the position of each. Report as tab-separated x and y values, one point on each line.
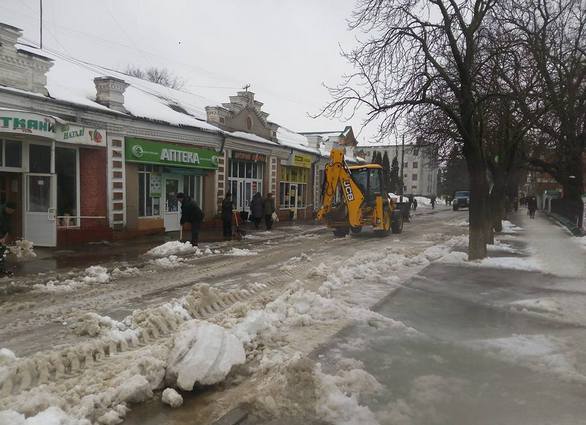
356	229
340	232
455	208
397	224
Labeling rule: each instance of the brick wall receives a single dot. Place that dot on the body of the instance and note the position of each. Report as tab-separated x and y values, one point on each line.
93	183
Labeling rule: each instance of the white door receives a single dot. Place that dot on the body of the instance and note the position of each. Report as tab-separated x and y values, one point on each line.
40	225
171	207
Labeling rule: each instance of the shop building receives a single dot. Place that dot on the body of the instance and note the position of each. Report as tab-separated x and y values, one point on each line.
251	150
64	151
155	172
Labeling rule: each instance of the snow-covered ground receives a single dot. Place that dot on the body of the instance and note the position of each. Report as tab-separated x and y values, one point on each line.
249	315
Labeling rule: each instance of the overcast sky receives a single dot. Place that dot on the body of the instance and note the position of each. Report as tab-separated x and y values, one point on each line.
285	49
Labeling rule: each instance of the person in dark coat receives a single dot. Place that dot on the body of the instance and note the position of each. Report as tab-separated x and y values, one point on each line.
190	213
227	208
256	209
6	211
432	202
532	206
414	204
269	209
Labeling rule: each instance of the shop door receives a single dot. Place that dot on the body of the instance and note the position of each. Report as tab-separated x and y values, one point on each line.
171	208
293	199
40	225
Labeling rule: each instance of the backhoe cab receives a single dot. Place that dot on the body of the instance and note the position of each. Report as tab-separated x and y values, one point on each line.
360	198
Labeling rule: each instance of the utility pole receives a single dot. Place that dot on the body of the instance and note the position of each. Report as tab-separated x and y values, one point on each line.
41	26
402	164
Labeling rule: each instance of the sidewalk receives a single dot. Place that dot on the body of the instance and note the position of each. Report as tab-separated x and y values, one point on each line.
52	259
497	341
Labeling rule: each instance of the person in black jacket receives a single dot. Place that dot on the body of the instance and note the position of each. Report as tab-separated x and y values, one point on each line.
227	208
5	233
257	209
190	213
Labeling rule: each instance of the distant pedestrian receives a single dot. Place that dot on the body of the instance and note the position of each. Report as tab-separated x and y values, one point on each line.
6	211
414	204
269	210
257	209
432	200
227	209
190	213
532	206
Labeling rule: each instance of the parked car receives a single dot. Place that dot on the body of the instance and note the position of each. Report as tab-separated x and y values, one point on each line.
461	200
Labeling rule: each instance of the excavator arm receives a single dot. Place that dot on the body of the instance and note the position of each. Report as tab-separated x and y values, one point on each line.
337	173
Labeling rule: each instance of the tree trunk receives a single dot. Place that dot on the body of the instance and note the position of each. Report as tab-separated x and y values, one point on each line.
478	213
573	184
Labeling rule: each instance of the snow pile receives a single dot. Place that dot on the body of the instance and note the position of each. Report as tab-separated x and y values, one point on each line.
171	397
172	248
119	273
169	262
294	261
22	249
6	356
91	275
511	263
298	307
203	353
51	416
339	395
96	274
92	324
98	395
509	228
238	252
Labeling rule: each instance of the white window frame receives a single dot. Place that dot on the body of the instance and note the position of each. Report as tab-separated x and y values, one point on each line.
140	175
77	185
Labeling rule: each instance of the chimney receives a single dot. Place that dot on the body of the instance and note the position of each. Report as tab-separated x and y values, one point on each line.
110	92
22	68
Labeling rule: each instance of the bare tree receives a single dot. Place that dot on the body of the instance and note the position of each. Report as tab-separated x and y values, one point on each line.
420	55
549	39
156	75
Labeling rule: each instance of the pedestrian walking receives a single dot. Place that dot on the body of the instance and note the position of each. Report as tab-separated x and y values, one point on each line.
6	211
269	210
190	213
414	204
257	209
227	209
532	206
432	202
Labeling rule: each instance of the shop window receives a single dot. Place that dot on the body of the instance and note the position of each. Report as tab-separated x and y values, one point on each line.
148	205
13	154
39	159
66	170
192	188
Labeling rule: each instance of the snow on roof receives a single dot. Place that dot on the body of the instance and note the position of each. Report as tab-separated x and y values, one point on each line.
250	136
294	140
72	81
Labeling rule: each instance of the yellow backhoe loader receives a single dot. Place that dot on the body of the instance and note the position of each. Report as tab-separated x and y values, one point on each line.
361	199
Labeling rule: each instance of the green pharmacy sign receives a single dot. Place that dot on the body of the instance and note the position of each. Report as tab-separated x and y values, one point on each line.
151	152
